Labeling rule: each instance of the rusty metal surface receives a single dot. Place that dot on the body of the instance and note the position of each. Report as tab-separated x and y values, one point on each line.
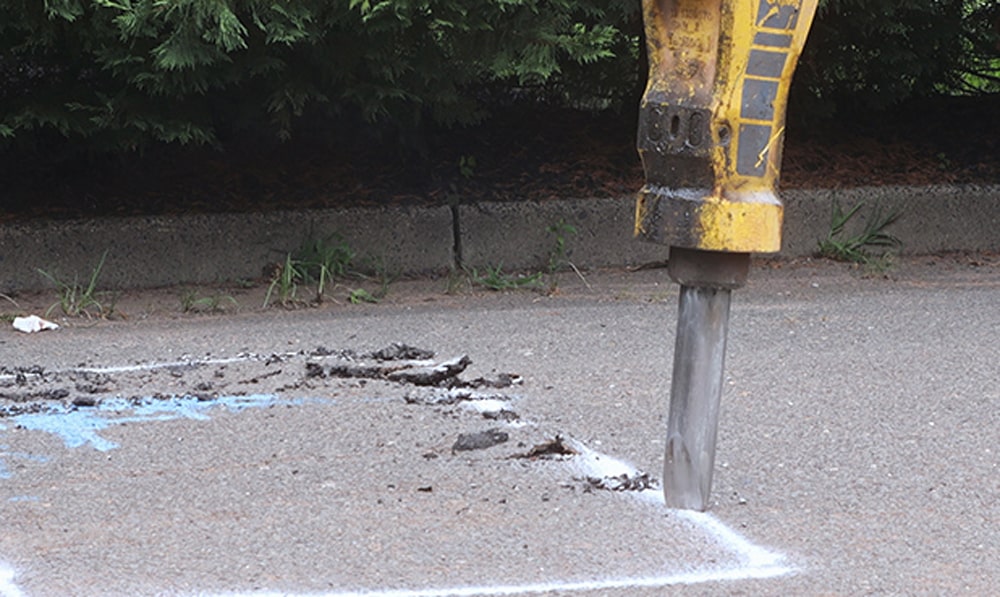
708	269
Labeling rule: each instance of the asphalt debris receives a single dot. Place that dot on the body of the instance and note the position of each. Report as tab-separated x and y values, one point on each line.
502	380
85	401
504	414
444	373
638	481
479	440
553	448
318	372
39	395
398	351
399	372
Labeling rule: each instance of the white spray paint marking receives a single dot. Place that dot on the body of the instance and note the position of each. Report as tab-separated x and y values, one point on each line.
144	367
596	464
753	557
650	582
755	562
489	405
706	522
168	365
7	586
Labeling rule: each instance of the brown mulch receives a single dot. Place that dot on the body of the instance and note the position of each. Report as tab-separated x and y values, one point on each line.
538	156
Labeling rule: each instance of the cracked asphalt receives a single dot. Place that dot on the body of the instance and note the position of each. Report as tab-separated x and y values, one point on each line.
858	441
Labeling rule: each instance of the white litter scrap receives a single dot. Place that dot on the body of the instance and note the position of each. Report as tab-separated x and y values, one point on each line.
33	323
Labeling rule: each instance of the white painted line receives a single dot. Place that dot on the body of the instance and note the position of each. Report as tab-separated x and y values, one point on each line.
595	464
183	362
756	562
7	586
651	582
155	366
754	557
242	358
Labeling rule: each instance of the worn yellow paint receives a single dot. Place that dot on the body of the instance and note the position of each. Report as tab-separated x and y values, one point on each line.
683	37
740	226
732	60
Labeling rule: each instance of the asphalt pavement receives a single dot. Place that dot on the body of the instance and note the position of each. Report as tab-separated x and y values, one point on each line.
274	453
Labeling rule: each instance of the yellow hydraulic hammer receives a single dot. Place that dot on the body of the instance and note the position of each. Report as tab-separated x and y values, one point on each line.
711	127
712	120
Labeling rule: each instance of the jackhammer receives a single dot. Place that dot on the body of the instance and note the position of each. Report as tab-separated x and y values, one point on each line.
711	128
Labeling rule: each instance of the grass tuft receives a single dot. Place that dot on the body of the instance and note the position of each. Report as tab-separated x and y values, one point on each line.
856	248
80	300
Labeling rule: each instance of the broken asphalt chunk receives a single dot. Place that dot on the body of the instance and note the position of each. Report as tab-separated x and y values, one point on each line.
550	449
479	440
354	370
84	401
625	482
503	380
501	415
398	351
314	370
436	396
433	375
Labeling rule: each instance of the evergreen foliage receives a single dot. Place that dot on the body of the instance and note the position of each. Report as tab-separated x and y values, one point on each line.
126	72
120	74
869	55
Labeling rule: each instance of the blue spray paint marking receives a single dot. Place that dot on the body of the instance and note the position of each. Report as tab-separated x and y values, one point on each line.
4	454
81	426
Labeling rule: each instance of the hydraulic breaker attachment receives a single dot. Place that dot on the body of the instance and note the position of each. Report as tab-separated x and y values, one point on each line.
711	127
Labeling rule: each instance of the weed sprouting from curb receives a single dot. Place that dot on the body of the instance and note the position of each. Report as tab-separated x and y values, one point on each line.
381	275
324	263
285	282
559	255
494	278
192	303
77	300
9	317
384	278
457	278
855	249
10	300
360	295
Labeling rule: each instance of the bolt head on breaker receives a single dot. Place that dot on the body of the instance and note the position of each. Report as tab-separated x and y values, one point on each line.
711	122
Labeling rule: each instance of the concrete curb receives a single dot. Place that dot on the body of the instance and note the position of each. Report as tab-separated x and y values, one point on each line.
518	236
145	252
935	219
205	249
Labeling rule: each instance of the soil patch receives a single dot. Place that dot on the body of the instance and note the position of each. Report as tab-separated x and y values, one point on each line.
537	155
